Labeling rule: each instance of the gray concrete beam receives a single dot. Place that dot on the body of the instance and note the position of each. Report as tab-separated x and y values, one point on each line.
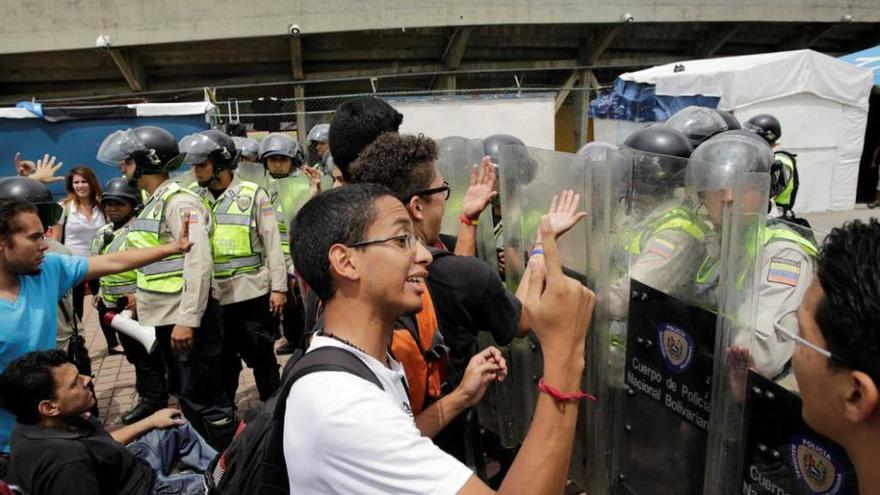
808	37
710	46
130	67
451	59
46	25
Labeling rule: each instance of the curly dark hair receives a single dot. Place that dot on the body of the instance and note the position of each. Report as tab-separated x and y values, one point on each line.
400	162
27	381
355	125
849	273
337	216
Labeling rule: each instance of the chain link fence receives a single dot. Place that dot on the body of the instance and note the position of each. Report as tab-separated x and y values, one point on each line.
282	114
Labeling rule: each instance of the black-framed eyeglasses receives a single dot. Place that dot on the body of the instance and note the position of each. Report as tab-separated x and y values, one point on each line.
406	241
435	190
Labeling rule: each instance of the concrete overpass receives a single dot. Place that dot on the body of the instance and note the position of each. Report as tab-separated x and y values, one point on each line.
157	50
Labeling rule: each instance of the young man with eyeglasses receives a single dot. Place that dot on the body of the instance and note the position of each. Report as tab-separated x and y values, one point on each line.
837	356
358	249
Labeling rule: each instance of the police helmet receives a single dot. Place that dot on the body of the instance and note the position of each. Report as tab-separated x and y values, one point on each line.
492	145
279	144
36	193
120	190
153	149
731	121
320	133
698	123
766	126
715	164
659	156
249	148
211	144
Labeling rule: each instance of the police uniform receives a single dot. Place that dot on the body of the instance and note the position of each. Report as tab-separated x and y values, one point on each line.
661	252
149	368
248	264
176	290
786	272
293	323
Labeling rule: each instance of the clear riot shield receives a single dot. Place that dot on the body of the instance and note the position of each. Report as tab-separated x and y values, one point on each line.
455	160
760	443
289	195
528	180
660	335
253	172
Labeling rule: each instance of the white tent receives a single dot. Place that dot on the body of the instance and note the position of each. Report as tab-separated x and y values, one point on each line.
821	102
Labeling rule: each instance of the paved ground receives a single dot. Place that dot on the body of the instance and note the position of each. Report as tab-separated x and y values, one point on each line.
114	376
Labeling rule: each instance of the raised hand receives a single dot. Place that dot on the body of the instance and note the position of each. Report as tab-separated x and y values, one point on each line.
45	168
481	190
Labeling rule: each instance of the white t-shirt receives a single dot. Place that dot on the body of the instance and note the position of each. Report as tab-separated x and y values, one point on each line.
342	434
79	230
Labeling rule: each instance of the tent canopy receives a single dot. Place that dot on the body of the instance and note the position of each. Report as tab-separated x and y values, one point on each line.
750	79
868	58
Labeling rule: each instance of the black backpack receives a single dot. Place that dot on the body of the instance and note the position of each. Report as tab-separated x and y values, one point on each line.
254	461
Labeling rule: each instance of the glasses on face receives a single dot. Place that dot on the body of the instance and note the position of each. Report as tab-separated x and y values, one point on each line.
442	189
405	241
787	335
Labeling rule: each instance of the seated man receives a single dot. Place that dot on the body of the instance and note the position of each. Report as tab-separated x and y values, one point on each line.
836	363
357	249
56	448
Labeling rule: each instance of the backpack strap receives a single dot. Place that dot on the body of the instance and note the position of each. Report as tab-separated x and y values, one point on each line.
274	468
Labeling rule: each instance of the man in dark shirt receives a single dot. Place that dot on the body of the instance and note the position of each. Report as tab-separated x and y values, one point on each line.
56	449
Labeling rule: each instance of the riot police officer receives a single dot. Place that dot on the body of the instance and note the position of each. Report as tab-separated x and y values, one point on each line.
283	159
665	234
788	251
121	202
248	265
319	145
174	294
784	168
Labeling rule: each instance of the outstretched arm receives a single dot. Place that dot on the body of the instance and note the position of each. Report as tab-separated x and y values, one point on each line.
129	259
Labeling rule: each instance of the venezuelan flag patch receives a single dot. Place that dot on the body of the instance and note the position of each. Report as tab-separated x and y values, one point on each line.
662	247
784	271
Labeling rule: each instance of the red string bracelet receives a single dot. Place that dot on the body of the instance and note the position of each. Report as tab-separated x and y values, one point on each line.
560	396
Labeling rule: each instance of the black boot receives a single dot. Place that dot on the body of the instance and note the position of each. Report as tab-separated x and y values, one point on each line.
140	411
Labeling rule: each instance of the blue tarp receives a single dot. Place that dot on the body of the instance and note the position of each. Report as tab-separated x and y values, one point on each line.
76	142
638	102
868	59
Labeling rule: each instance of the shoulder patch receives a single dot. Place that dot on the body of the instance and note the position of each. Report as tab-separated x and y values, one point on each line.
784	271
662	247
192	212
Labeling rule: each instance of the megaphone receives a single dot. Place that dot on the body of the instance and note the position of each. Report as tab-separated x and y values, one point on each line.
123	322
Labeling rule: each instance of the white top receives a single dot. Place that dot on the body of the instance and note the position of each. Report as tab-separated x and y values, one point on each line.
78	230
342	434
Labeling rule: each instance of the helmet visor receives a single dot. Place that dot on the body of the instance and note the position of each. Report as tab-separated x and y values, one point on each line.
697	123
716	163
197	147
118	147
278	144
